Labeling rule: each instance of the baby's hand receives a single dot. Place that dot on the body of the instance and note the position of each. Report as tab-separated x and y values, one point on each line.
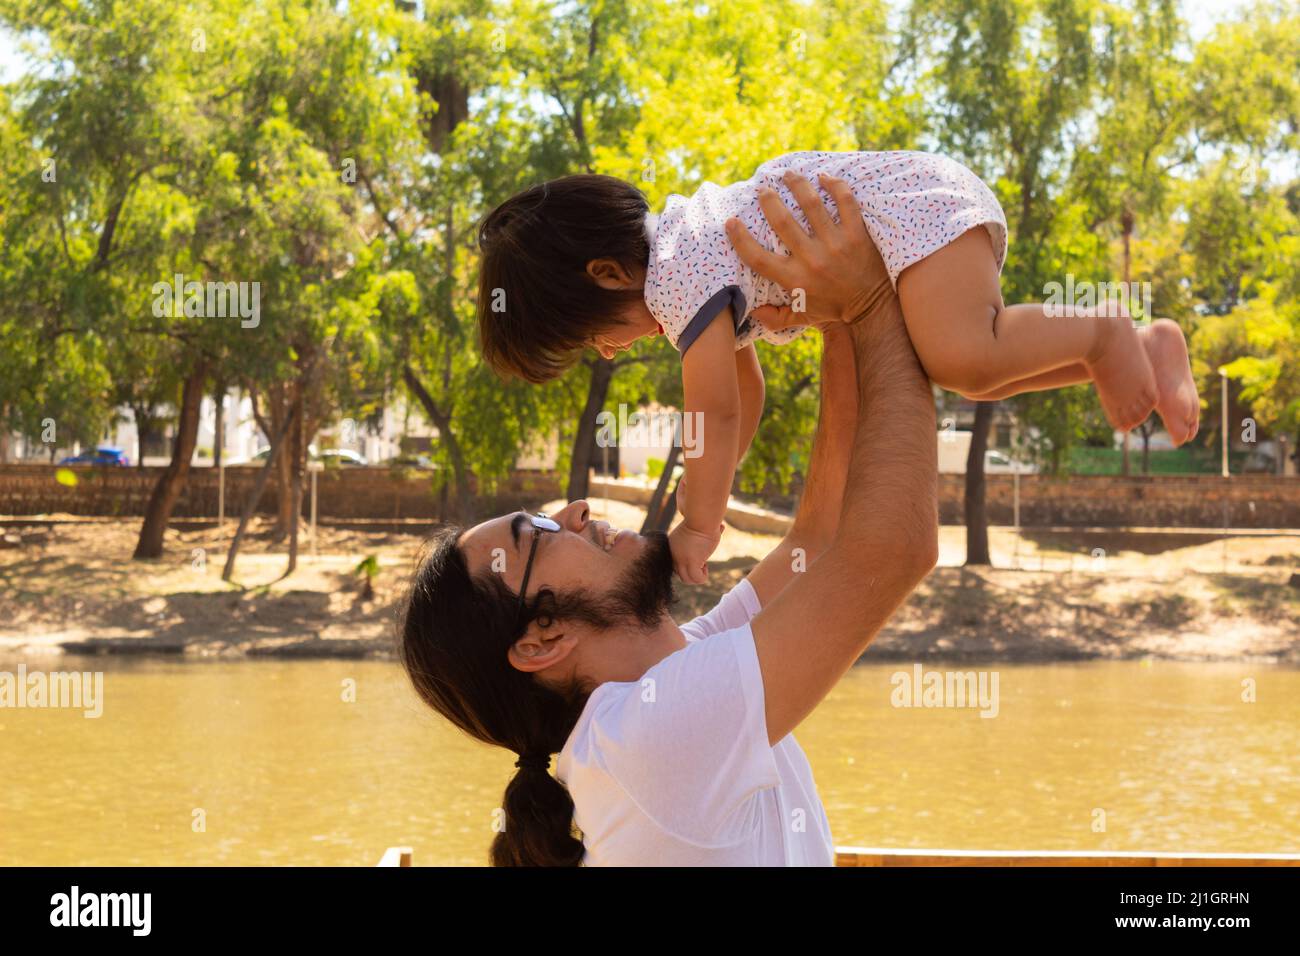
691	550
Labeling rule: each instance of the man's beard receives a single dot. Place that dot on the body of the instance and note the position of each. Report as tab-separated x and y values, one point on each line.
642	594
645	590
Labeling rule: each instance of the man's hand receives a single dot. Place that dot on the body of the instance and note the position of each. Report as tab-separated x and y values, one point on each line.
838	267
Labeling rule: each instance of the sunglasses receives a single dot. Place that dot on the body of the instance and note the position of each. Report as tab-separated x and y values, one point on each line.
540	523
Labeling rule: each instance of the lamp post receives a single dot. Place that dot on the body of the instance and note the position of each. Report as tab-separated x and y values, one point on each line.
1223	377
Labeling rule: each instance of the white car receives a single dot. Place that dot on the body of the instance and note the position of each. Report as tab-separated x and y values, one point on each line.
340	456
996	463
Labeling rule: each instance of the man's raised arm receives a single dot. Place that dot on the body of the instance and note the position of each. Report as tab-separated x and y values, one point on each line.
818	513
887	537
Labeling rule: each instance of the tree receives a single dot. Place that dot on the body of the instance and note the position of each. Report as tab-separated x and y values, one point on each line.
114	125
1012	76
1143	121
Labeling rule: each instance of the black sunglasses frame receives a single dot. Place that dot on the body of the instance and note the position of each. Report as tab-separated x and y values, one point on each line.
532	552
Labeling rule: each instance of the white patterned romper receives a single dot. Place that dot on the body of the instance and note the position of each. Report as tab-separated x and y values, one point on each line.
913	204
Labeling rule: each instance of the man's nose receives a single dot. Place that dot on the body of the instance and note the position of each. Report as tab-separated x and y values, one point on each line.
574	516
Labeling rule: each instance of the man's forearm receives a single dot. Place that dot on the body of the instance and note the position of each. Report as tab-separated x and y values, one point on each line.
828	467
888	524
823	493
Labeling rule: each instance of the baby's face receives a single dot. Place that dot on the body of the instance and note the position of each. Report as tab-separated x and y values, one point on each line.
636	323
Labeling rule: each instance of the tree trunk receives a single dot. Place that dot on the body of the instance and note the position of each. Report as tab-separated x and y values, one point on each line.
172	481
297	455
270	422
144	430
977	519
281	409
218	426
250	505
669	510
442	421
142	436
653	517
1127	221
602	371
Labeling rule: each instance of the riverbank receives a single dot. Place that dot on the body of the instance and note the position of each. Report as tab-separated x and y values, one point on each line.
1050	596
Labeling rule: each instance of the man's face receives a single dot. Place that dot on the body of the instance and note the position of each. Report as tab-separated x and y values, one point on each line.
630	575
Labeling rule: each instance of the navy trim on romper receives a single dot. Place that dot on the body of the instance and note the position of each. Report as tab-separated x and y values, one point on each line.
731	296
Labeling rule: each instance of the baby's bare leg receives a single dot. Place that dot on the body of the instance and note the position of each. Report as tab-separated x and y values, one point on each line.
1178	404
971	342
1075	374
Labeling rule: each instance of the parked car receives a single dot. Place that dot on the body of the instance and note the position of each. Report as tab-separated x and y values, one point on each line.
103	455
422	462
996	463
954	447
258	459
332	457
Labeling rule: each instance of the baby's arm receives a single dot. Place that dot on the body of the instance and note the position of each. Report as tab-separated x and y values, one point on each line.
711	389
749	375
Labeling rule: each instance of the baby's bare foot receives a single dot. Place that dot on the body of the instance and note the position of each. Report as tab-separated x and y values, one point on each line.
1123	374
1178	404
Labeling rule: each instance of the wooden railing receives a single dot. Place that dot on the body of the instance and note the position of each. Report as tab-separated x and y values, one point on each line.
876	856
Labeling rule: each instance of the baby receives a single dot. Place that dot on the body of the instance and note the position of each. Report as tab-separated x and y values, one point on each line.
581	262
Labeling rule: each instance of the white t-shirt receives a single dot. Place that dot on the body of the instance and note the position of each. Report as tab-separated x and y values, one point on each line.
676	770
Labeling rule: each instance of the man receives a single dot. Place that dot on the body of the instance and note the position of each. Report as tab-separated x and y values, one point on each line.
552	634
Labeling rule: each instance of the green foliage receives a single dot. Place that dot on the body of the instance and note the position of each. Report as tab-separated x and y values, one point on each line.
368	567
341	156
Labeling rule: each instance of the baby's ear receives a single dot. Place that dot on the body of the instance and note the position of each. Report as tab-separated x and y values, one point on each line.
609	274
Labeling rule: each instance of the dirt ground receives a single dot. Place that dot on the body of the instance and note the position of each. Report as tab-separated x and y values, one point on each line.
1049	596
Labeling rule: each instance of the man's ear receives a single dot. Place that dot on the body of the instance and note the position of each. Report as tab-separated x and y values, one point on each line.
541	646
609	274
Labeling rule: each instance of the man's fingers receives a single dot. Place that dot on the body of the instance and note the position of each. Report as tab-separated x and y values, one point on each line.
846	203
819	220
775	317
781	219
855	238
751	253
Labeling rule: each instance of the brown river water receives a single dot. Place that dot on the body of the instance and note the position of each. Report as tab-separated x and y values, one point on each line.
329	762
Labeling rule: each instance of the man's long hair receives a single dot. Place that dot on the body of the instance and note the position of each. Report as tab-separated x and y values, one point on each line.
455	635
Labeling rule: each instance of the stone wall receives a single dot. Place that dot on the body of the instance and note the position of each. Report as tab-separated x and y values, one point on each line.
1105	501
342	493
1112	501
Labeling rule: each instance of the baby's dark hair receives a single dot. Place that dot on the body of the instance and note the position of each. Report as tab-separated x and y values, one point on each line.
537	306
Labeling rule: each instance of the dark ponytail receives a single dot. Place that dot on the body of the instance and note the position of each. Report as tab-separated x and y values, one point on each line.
455	634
